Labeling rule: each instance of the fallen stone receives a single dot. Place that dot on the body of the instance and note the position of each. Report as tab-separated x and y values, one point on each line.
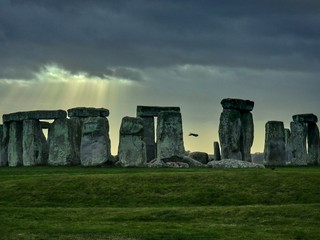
84	112
153	111
34	144
201	157
62	149
191	162
298	143
15	144
238	104
233	163
229	134
95	142
309	117
177	165
169	135
132	148
34	115
274	147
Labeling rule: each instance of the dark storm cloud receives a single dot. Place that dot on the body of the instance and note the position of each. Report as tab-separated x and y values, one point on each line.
94	36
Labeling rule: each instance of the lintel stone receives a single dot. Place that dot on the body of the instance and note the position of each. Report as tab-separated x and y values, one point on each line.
34	115
238	104
84	112
308	117
153	111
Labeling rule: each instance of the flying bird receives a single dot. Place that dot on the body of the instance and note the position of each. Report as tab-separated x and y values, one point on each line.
193	134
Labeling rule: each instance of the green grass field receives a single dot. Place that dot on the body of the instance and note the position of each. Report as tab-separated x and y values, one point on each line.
113	203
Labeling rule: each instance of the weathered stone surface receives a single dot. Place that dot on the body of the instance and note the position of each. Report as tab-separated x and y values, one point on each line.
4	139
62	149
238	104
313	144
298	143
161	164
247	135
191	162
83	112
233	163
309	117
34	144
229	134
169	135
132	148
274	148
287	141
201	157
15	145
95	142
131	126
153	111
216	151
148	137
34	115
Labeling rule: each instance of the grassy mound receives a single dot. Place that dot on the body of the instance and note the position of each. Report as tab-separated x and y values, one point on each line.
102	203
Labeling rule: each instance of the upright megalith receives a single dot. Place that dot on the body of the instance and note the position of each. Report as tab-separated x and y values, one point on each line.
169	135
288	145
34	144
274	148
236	129
216	151
305	139
95	142
4	136
62	149
313	144
298	143
15	156
247	136
132	148
230	133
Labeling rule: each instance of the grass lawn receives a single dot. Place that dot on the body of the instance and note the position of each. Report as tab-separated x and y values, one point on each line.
116	203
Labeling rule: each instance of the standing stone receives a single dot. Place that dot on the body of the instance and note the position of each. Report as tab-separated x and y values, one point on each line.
247	135
287	141
61	143
34	144
216	148
95	142
132	148
298	143
169	135
229	134
4	144
148	137
313	144
15	144
274	148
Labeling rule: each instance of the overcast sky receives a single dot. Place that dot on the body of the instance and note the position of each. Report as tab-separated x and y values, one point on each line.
58	54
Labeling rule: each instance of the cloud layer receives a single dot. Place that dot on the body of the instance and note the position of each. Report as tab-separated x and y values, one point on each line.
94	36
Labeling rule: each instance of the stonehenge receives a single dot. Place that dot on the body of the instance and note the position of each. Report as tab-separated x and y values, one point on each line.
236	129
80	137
